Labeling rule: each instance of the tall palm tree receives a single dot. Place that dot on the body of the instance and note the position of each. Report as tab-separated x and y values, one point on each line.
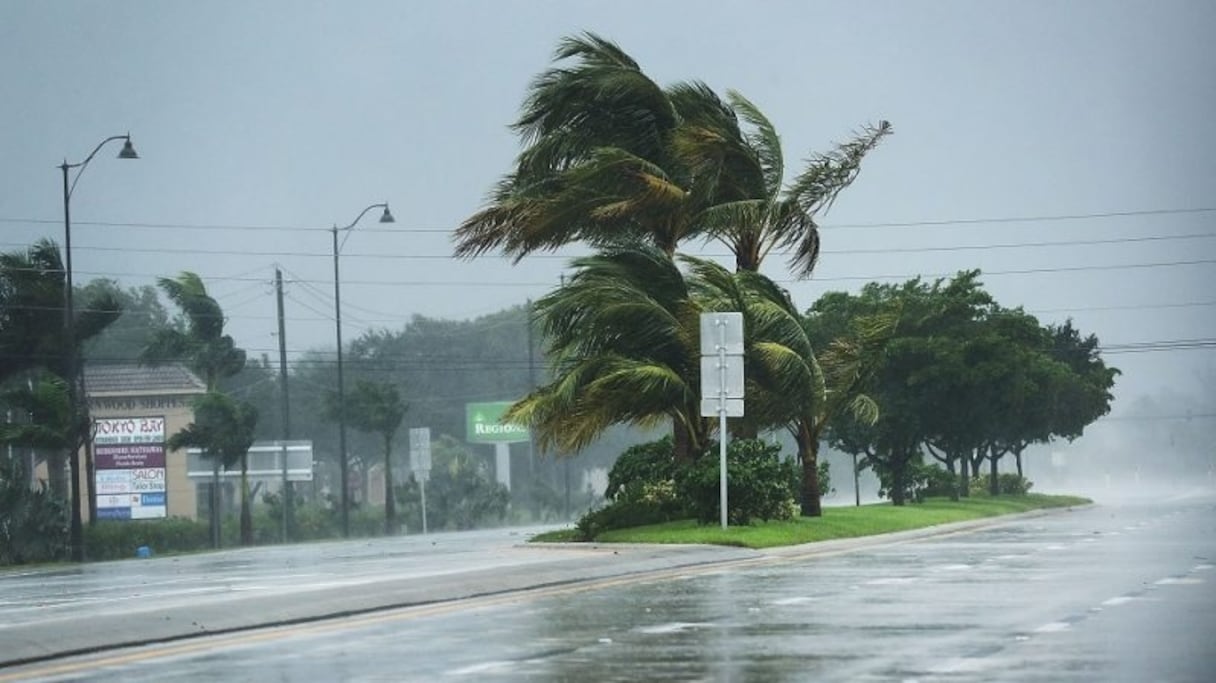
789	382
31	336
623	333
612	157
224	430
198	340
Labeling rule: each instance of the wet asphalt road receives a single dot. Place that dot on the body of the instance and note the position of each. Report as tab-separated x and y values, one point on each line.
1107	593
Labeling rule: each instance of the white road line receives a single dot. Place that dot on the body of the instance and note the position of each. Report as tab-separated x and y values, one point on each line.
1120	600
1053	627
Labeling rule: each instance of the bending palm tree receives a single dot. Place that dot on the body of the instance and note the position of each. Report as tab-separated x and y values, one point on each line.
198	339
614	158
623	333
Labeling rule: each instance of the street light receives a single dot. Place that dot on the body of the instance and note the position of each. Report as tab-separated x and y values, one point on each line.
72	369
386	217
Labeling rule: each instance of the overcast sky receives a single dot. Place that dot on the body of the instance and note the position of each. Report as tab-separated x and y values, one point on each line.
284	118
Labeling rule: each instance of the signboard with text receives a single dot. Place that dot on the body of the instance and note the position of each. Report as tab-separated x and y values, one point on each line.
129	460
485	425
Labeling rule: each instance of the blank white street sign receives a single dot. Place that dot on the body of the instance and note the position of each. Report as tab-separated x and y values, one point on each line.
711	376
709	407
714	326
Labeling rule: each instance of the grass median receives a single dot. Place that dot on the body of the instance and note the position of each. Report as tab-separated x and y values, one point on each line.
836	522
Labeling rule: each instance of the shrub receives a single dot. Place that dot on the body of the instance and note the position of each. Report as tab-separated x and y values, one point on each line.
118	539
621	514
33	522
641	467
931	481
1009	484
760	483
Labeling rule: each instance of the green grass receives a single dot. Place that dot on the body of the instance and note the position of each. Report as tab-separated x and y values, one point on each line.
836	522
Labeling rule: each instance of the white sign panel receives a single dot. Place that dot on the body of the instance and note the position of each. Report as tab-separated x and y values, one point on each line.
420	449
722	330
709	407
712	378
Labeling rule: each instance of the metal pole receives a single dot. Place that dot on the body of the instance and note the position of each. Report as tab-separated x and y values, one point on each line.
856	482
342	461
722	418
284	403
422	486
69	340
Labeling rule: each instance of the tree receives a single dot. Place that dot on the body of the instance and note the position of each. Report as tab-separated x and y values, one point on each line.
224	430
142	314
622	335
196	337
376	407
790	384
32	307
611	157
461	492
45	402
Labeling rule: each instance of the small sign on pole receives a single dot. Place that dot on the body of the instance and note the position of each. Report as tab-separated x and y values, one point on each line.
722	381
420	462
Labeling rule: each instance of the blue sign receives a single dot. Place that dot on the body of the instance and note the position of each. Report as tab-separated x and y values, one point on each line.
155	498
113	513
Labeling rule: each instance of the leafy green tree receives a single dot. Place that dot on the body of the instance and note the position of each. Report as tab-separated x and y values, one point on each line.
377	408
223	429
130	333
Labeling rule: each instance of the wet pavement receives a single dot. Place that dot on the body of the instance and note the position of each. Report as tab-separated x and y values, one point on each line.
1106	593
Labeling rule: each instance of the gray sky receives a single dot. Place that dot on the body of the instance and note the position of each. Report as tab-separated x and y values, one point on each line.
296	115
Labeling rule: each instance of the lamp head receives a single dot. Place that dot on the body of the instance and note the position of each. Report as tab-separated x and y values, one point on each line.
128	150
387	216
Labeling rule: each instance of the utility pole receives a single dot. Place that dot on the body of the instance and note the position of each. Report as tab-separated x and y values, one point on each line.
284	403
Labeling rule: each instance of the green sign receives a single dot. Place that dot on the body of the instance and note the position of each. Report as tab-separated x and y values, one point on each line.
485	424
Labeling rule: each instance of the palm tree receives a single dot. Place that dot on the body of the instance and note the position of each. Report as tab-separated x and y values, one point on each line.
376	407
32	289
198	340
789	383
45	401
614	158
623	333
223	429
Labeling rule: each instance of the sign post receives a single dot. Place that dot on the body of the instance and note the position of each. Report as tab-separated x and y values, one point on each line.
722	382
420	462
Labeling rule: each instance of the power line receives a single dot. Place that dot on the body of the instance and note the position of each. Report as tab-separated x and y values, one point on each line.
835	252
1042	218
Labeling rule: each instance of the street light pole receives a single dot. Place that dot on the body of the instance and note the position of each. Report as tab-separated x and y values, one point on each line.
71	362
343	460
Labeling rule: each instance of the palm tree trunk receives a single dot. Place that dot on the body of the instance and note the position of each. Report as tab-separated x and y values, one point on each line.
1017	456
390	497
808	455
246	513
